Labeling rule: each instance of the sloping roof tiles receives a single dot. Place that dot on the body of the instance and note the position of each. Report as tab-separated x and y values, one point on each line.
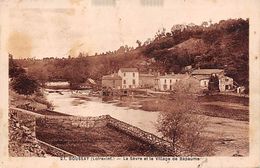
111	77
128	69
206	71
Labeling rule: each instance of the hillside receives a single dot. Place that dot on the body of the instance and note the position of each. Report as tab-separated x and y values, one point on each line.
220	45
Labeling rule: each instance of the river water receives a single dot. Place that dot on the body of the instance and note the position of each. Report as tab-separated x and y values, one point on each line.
218	128
93	106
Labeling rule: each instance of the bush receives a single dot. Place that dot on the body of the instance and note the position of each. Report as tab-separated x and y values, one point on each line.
24	84
180	124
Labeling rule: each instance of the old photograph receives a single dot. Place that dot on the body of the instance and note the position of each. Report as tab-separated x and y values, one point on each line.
111	78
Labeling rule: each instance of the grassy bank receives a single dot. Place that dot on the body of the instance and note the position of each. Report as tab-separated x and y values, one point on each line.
231	107
97	141
36	100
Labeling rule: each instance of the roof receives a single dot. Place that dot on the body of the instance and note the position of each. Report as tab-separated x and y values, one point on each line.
146	75
206	71
128	69
91	81
111	77
174	76
201	77
225	77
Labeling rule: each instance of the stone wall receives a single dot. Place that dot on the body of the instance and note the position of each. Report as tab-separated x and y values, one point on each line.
136	132
67	121
101	121
25	118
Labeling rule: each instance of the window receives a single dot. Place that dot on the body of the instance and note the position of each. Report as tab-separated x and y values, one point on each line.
124	82
164	87
124	73
205	83
133	74
164	80
170	81
133	82
114	83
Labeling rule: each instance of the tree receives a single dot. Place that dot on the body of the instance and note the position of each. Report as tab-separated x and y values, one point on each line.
180	124
213	83
139	43
24	84
14	69
39	73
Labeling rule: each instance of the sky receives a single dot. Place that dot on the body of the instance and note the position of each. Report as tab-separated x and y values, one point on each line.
66	27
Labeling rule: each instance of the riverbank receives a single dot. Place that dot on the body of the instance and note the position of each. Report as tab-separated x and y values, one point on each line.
227	116
227	131
224	106
37	101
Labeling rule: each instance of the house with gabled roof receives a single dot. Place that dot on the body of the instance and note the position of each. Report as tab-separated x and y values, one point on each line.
203	76
166	82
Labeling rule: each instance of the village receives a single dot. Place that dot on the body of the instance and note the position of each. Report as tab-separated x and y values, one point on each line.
204	81
127	79
130	78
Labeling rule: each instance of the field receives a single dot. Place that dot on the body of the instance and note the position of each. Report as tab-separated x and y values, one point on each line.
99	141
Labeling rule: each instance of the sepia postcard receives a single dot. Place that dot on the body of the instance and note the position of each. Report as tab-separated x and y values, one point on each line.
117	83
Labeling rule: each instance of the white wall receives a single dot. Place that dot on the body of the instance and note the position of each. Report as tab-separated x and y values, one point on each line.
169	81
204	82
128	78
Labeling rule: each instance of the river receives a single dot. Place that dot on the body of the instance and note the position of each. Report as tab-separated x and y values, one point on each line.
93	106
236	132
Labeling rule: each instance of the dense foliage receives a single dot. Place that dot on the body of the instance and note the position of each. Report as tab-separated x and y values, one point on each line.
14	69
24	84
21	83
221	45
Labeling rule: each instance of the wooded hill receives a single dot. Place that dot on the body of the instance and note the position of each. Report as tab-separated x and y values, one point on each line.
221	45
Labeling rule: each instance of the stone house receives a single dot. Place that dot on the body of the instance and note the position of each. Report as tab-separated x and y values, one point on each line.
147	80
167	81
130	77
203	76
112	81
